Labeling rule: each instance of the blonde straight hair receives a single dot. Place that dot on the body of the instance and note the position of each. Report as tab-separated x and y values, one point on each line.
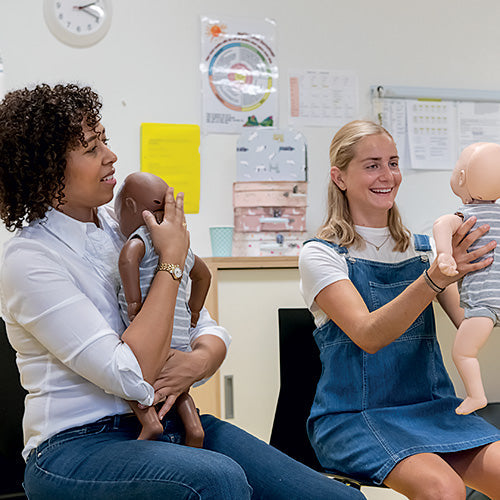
339	226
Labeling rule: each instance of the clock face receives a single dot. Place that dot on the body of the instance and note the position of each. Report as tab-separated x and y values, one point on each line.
78	22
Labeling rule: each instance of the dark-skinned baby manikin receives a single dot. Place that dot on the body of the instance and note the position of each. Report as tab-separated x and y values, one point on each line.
138	264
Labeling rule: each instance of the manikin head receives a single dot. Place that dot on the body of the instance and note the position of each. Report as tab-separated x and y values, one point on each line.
476	175
140	191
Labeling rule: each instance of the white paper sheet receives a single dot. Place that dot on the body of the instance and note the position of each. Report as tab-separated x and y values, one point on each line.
432	134
322	98
393	114
478	122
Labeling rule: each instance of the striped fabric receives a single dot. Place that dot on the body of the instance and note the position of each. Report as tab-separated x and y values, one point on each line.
481	289
182	318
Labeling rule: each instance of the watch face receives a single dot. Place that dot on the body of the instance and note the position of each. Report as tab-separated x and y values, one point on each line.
78	22
177	272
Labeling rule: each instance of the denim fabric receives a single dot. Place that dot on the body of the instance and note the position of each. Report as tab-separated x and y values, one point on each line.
372	410
105	461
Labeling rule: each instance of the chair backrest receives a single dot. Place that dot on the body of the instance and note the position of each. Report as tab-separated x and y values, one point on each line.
491	413
300	369
11	435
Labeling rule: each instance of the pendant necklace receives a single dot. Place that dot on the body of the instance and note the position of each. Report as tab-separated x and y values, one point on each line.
378	247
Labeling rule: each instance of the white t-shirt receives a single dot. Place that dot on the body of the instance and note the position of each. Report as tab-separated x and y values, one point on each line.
320	265
58	287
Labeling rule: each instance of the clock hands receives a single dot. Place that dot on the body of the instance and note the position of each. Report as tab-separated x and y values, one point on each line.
81	7
91	9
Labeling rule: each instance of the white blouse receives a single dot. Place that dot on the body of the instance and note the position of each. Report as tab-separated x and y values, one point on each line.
58	288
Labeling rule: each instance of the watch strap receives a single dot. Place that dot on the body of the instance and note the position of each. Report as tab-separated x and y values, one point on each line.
174	269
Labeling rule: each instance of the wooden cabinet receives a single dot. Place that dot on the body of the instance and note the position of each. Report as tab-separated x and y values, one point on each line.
245	295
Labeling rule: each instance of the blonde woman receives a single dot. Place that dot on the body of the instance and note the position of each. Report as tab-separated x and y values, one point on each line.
384	406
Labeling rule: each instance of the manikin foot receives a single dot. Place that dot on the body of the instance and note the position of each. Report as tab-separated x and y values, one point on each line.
471	404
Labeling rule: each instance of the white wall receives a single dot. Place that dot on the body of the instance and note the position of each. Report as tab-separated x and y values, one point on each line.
146	69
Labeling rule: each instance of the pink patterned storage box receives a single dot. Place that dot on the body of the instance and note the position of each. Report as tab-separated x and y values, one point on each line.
267	244
276	194
255	220
269	206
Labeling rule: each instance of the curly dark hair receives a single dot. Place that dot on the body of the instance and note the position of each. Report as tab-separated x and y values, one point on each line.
38	127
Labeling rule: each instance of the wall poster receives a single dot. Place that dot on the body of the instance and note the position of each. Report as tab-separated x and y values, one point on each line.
239	74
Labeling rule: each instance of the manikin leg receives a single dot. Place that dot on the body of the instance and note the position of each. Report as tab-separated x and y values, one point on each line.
471	336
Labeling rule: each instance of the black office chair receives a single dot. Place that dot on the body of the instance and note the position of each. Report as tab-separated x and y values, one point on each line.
11	436
491	413
300	369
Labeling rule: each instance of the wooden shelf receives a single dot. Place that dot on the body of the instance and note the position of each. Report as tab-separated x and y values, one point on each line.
252	262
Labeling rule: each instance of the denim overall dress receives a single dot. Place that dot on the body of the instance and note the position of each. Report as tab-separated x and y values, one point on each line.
373	410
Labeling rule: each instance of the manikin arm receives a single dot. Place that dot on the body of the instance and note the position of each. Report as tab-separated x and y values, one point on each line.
128	264
200	278
443	230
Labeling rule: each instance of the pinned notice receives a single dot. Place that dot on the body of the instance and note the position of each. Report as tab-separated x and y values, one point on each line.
172	152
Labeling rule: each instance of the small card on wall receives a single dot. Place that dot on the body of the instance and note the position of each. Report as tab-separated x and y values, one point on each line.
271	155
172	152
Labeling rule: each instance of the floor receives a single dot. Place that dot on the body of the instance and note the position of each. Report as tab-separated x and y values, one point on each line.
380	493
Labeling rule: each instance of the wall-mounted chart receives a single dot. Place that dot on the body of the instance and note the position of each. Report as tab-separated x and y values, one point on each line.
431	126
239	74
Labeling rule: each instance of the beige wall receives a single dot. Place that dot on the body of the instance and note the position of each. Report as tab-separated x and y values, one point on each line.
146	69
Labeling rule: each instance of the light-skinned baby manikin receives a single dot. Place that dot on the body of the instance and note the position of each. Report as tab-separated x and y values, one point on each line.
476	180
144	191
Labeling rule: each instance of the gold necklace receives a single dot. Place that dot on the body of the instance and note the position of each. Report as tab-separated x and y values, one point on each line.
381	244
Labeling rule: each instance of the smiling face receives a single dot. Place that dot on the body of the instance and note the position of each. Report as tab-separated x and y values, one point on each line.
89	176
371	180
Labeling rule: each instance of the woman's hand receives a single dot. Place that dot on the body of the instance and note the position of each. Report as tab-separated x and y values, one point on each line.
170	236
461	242
180	372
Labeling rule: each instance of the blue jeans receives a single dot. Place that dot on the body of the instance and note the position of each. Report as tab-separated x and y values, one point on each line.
105	460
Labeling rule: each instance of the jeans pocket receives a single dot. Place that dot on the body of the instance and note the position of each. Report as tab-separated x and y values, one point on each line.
64	437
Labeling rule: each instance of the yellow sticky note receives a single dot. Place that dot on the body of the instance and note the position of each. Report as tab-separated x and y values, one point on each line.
172	152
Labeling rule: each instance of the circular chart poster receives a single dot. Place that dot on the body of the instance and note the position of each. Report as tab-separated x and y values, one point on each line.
239	76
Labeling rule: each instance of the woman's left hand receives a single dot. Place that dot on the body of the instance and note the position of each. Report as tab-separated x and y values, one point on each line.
179	373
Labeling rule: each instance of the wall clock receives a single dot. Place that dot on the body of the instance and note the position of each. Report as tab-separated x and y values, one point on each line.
79	23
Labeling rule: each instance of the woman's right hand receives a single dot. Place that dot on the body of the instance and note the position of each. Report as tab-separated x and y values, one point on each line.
170	236
461	242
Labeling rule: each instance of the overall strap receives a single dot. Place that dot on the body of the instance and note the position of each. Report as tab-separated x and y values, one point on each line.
422	243
339	249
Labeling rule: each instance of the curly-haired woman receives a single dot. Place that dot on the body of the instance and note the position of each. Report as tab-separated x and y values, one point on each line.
58	284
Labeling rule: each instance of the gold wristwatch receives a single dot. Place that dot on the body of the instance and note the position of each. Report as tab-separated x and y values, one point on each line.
174	270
